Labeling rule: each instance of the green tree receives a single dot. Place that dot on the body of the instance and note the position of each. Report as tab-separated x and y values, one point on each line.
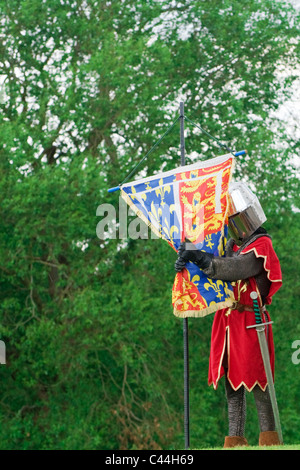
94	354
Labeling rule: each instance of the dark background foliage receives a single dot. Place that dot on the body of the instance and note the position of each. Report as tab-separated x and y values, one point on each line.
94	353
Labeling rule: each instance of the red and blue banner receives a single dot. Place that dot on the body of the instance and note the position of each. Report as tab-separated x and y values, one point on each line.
189	202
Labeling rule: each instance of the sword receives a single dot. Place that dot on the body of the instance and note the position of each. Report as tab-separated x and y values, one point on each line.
260	329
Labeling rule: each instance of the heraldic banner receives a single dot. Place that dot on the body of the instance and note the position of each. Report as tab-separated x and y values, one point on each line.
189	202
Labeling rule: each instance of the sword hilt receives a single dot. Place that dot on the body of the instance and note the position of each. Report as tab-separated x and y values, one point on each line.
254	297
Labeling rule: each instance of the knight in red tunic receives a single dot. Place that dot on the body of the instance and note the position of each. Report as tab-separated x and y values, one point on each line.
250	264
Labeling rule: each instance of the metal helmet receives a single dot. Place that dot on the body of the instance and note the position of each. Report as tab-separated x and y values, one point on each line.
245	214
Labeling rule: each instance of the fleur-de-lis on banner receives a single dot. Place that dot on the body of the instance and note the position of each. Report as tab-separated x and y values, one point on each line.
162	190
215	286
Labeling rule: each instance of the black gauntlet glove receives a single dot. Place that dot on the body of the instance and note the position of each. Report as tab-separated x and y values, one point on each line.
188	252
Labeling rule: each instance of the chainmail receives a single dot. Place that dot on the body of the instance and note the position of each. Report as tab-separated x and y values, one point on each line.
236	402
264	409
234	267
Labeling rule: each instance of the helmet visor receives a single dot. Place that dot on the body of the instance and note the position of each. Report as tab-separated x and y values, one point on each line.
245	214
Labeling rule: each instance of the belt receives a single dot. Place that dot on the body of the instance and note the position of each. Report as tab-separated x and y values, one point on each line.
245	308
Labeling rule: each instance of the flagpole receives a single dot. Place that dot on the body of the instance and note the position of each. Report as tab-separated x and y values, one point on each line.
185	320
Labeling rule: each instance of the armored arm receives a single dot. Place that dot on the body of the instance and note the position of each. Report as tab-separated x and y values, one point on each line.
230	268
234	268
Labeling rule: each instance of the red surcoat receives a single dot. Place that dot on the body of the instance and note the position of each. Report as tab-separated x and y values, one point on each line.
231	340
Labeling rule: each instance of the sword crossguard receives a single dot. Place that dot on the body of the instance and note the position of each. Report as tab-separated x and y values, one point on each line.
257	325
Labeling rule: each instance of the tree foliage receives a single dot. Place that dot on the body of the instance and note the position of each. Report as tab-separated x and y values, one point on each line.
94	354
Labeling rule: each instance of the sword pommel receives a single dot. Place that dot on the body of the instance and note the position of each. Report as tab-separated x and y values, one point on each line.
253	295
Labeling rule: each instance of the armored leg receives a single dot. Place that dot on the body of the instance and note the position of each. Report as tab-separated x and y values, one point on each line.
236	401
264	409
268	436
